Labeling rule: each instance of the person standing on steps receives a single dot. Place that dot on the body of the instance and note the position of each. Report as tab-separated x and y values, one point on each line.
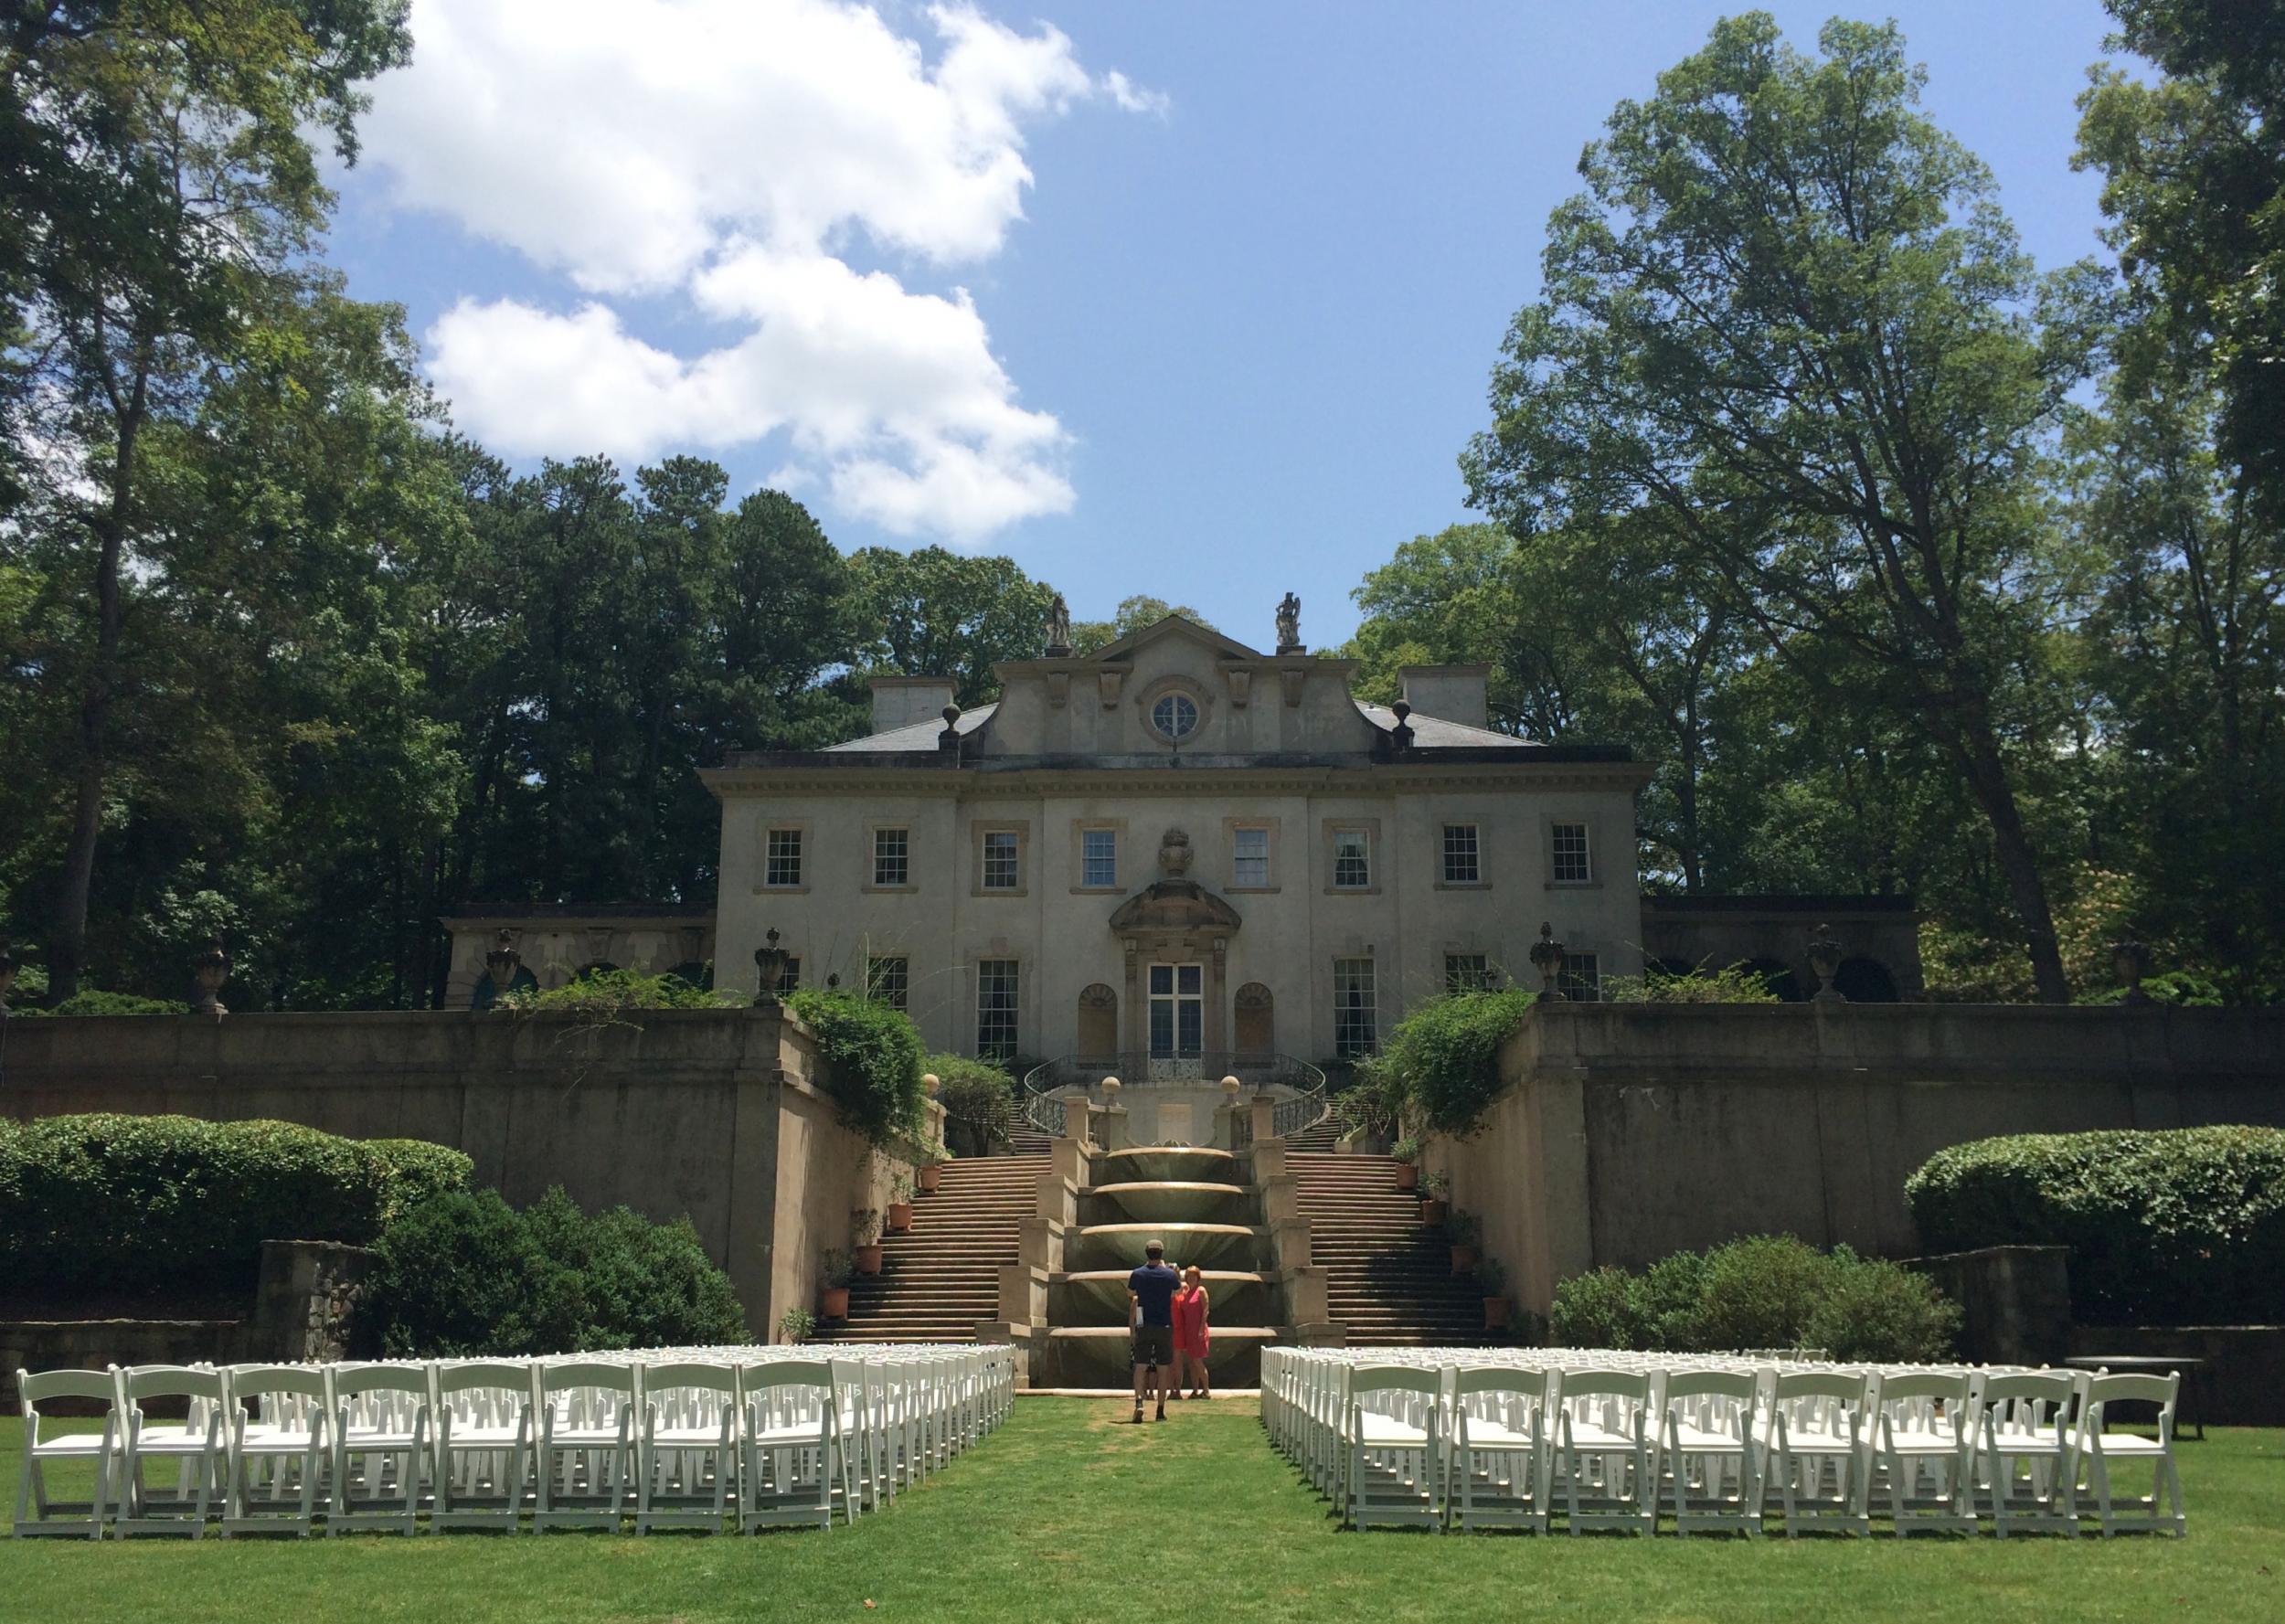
1150	1310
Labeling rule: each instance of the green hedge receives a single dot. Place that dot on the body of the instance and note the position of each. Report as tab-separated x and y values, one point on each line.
1764	1291
2182	1226
467	1274
124	1204
979	1101
872	1055
1439	1068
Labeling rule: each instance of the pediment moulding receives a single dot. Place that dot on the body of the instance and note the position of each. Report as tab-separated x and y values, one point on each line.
1152	776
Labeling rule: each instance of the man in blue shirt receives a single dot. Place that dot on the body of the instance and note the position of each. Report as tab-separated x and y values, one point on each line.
1150	1310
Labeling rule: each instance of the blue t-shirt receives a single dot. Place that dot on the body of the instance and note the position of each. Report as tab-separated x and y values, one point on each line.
1155	1285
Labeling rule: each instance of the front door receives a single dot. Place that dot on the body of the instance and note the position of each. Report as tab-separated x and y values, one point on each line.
1177	996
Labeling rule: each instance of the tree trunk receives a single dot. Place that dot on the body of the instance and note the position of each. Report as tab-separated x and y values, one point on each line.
67	956
1987	780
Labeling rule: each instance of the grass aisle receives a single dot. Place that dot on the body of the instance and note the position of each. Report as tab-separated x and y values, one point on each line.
1069	1513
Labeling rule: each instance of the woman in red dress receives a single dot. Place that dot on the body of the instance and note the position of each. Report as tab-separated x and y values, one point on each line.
1190	1333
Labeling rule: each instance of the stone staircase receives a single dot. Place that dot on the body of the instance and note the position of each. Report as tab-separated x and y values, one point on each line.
1388	1277
941	1279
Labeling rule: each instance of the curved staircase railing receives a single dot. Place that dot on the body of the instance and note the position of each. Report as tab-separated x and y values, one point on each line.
1044	1087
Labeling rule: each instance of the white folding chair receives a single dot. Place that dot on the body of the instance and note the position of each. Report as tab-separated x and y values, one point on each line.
273	1462
792	1443
686	1451
378	1418
1606	1451
1924	1450
1714	1459
1822	1441
2160	1512
48	1513
586	1444
484	1435
1501	1449
193	1447
2029	1451
1395	1456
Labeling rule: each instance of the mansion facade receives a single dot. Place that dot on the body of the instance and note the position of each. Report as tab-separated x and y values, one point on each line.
1176	848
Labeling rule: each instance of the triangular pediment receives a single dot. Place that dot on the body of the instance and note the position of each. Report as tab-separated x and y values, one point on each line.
1180	626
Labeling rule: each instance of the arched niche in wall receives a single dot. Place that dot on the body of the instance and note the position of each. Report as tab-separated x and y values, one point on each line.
1099	1022
1865	980
1256	1025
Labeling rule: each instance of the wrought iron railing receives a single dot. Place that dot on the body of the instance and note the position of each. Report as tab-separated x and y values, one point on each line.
1046	1086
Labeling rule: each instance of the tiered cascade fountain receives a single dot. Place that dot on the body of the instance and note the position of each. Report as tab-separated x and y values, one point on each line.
1202	1204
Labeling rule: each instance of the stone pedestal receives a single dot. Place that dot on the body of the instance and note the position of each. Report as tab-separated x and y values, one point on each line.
1270	1159
1280	1198
1070	1161
1023	1295
1288	1243
1058	1199
1265	1111
1075	1124
1115	1128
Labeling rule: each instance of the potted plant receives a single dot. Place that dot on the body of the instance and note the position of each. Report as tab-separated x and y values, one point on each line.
1406	1151
1463	1230
931	1172
1492	1280
798	1325
900	1204
839	1270
865	1231
1435	1199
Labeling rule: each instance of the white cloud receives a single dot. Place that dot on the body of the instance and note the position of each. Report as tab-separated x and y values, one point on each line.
725	154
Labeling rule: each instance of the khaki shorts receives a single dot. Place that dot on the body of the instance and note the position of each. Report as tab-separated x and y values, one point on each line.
1153	1344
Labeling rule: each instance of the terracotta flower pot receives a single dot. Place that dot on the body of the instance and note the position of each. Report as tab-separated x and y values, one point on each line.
931	1174
868	1259
834	1304
1495	1312
1431	1210
1407	1176
1463	1259
899	1216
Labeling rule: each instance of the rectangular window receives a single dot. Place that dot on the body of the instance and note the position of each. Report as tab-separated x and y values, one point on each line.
1581	978
1355	1010
1461	867
1178	994
781	866
1572	866
791	977
892	857
886	980
1099	857
1352	859
1001	868
1467	972
996	1008
1249	859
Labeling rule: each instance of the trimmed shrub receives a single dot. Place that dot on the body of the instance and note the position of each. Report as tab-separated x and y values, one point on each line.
872	1056
979	1101
606	994
1442	1061
1764	1291
420	1173
2179	1227
466	1274
1732	983
90	1002
122	1204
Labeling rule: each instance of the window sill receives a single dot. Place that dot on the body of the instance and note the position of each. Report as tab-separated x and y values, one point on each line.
1250	890
1352	890
1099	890
768	890
1574	885
1464	884
889	890
998	892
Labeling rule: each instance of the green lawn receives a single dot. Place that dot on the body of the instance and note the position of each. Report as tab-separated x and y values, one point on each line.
1069	1513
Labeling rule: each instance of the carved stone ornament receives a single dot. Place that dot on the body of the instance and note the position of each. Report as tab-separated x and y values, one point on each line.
1173	853
1288	625
1058	629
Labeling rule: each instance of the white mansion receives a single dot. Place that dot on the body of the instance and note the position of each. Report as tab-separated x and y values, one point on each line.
1176	848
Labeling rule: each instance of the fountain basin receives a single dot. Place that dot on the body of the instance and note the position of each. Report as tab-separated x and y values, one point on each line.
1165	1162
1104	1245
1098	1297
1167	1200
1101	1356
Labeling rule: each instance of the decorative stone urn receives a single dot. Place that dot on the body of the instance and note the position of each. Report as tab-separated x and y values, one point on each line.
210	968
1174	853
769	969
1824	959
2129	960
1547	958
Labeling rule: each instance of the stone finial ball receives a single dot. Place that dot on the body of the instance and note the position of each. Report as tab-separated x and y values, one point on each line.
1229	1085
930	1083
1110	1085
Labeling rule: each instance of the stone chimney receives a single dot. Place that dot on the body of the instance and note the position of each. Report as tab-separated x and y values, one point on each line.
900	701
1448	693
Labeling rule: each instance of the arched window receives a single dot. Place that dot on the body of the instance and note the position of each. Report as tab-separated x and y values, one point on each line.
1097	1034
1256	1027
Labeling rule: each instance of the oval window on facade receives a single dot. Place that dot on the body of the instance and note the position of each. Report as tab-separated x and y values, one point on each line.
1175	715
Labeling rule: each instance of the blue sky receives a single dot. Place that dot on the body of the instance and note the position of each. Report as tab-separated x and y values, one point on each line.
1227	341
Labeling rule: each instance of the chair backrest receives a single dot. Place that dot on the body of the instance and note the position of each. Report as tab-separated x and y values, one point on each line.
1394	1378
484	1375
350	1381
35	1388
1950	1385
268	1382
576	1374
2032	1386
170	1381
1739	1385
702	1375
2135	1388
1849	1386
1633	1384
767	1374
1524	1381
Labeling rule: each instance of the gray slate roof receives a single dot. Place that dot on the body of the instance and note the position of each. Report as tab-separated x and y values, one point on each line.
1429	733
915	736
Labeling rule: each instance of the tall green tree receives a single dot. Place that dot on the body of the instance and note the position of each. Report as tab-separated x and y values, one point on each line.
932	612
1134	614
1787	316
161	180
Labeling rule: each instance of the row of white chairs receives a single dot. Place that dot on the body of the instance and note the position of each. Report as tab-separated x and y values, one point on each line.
1514	1439
681	1438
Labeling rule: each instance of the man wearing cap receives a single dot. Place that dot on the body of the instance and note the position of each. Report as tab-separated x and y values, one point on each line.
1151	1312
